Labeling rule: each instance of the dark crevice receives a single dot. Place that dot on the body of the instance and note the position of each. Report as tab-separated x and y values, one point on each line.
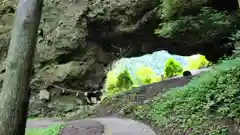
70	55
11	10
8	9
65	58
3	71
217	49
222	5
45	63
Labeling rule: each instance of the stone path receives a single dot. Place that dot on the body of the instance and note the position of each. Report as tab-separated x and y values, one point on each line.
118	126
95	126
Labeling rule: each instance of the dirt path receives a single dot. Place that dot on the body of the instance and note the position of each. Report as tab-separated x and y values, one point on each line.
95	126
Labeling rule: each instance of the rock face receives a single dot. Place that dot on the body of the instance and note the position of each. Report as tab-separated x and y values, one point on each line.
78	39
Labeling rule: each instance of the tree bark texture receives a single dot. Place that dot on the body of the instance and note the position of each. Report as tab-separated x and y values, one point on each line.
238	3
15	95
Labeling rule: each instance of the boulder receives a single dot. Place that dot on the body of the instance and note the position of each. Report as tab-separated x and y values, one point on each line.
44	95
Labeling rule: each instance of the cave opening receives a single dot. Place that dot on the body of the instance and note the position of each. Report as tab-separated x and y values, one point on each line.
150	68
156	61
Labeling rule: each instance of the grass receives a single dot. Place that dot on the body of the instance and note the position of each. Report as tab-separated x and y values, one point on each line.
51	130
202	106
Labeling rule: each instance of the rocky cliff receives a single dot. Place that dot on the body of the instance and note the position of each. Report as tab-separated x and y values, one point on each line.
78	39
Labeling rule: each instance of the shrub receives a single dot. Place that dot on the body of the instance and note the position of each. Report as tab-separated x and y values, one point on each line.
207	100
236	43
147	80
197	62
111	80
112	74
172	68
124	80
117	83
156	78
143	75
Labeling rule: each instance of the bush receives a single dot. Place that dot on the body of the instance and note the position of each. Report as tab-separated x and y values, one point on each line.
236	43
172	68
197	62
143	75
117	83
201	105
156	78
124	80
111	80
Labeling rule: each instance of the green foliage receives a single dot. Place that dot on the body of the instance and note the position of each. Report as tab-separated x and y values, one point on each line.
219	131
146	76
118	83
208	23
213	96
236	43
172	68
51	130
143	74
197	62
172	8
124	80
111	80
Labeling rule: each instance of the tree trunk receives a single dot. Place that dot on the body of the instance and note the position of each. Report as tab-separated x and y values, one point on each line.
15	95
238	3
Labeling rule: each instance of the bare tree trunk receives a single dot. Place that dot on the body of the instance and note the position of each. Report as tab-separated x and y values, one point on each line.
15	95
238	3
